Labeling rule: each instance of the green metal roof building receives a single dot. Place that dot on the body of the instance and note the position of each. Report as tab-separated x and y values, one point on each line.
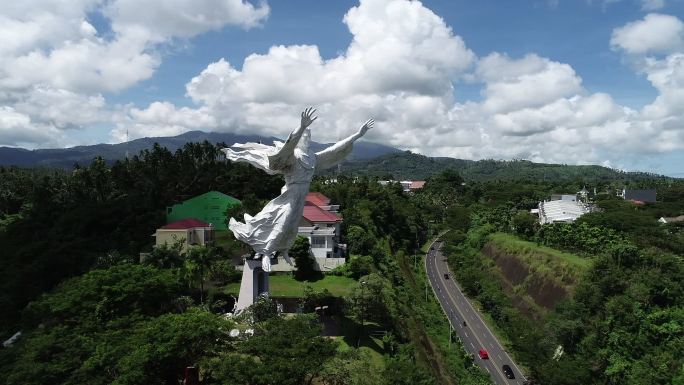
209	207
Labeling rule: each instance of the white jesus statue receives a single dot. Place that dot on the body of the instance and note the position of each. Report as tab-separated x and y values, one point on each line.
274	229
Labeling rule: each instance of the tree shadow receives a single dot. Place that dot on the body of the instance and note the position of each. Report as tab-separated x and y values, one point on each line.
311	277
354	335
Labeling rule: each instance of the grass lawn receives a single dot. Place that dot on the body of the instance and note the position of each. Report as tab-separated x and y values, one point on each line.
284	285
373	344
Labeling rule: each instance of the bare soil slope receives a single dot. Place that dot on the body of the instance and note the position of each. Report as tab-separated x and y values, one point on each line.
535	277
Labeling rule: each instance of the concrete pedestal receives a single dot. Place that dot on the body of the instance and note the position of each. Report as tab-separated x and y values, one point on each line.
254	282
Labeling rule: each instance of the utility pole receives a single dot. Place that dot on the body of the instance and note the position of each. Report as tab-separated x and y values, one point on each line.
363	310
363	303
127	144
415	252
426	285
449	325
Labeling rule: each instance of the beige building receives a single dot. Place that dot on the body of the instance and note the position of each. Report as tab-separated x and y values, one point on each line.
190	232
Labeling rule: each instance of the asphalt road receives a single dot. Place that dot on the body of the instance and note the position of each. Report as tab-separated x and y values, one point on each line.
475	335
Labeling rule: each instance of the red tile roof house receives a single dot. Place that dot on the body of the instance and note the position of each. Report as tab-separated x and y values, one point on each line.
320	223
188	231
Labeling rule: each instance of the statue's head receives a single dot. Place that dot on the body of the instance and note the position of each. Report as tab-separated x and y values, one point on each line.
304	141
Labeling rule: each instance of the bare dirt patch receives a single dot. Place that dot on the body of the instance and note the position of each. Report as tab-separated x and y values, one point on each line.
519	278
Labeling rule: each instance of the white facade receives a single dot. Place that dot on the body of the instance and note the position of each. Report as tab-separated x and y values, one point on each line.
323	238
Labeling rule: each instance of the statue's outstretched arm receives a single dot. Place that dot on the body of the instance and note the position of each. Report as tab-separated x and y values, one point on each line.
337	152
283	157
255	154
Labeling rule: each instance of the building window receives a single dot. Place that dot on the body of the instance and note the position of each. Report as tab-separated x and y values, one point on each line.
317	242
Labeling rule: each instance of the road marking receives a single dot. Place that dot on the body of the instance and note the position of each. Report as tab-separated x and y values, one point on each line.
466	333
488	370
443	282
458	289
471	344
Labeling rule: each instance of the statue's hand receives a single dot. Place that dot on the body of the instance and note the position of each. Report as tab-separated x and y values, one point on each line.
307	117
366	126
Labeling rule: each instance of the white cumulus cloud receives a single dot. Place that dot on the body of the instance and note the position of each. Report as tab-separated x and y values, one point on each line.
401	68
655	33
52	59
652	5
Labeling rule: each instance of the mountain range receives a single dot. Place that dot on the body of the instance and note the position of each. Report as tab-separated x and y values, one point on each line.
409	166
367	158
68	157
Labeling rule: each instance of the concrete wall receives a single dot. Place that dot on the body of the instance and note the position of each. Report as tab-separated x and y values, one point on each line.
198	236
327	264
320	264
171	237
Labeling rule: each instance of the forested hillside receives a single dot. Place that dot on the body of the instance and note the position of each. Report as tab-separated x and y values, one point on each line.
410	166
91	311
56	224
612	305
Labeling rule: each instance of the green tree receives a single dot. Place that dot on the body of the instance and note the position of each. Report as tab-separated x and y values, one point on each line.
159	349
525	224
284	351
304	262
263	309
352	367
223	271
360	265
359	241
373	300
99	296
197	265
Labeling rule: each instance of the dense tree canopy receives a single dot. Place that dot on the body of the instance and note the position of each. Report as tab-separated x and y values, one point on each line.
67	221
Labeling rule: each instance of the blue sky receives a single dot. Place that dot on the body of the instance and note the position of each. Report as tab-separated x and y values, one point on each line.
565	81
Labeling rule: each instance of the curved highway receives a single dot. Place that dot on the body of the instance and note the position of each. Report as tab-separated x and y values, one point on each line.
475	335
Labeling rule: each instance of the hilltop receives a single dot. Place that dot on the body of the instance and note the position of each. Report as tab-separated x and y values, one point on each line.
409	166
67	157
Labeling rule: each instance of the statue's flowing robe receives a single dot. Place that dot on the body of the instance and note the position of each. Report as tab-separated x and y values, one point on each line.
274	228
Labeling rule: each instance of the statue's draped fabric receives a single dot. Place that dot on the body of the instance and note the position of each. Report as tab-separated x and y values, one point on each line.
274	229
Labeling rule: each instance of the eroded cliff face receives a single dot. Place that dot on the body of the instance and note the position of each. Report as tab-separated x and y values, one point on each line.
533	290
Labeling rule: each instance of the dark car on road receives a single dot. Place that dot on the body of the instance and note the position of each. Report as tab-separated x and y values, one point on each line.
446	275
508	372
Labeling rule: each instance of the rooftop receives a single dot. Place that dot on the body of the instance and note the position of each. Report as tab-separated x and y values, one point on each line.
315	214
639	195
317	199
561	211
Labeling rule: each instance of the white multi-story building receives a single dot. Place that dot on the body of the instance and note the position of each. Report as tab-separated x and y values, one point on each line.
320	223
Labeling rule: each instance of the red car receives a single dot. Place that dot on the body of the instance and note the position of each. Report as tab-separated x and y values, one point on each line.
483	354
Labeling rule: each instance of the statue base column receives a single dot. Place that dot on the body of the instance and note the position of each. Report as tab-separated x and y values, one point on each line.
254	283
